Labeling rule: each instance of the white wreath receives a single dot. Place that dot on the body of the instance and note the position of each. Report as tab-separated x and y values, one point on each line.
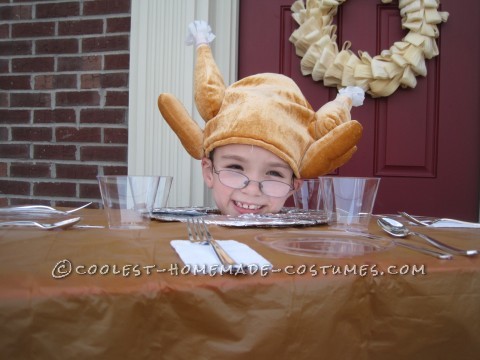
315	42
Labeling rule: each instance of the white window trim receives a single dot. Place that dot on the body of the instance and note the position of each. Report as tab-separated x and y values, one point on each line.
161	62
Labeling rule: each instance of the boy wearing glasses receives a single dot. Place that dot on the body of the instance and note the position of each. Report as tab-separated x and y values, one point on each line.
248	179
261	136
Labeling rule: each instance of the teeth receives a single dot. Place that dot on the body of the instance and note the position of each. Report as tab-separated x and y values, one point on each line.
248	206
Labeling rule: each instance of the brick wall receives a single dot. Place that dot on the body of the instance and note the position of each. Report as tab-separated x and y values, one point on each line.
63	98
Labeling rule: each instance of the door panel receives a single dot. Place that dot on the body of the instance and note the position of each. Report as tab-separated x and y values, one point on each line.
422	142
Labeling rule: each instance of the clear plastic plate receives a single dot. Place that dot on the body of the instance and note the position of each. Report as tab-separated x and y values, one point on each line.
328	244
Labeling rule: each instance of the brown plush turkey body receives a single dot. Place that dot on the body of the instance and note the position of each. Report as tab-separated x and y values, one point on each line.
266	110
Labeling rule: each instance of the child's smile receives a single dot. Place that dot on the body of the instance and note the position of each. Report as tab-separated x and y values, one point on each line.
248	179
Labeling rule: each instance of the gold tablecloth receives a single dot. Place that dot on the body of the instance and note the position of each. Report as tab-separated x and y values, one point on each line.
126	298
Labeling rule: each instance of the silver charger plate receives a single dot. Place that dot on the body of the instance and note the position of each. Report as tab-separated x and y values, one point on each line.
288	217
326	244
181	213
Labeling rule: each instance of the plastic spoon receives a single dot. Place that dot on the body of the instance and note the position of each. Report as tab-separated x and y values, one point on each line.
45	226
397	229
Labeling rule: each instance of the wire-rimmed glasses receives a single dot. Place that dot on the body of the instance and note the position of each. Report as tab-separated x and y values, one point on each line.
236	180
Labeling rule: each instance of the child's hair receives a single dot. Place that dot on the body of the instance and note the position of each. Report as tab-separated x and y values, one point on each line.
210	155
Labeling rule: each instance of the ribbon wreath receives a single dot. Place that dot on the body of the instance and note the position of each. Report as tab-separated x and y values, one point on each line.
315	42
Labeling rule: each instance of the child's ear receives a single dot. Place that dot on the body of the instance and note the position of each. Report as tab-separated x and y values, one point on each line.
207	171
296	184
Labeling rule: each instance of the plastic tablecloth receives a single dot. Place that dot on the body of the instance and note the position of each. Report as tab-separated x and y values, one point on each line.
106	294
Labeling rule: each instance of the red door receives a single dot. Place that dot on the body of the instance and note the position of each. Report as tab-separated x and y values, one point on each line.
423	142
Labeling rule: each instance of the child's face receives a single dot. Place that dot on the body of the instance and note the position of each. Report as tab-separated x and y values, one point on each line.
257	164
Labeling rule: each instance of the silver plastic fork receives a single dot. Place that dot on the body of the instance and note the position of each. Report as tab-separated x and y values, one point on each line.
198	232
431	222
39	209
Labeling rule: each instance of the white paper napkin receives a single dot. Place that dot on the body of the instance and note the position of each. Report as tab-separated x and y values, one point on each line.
201	259
451	223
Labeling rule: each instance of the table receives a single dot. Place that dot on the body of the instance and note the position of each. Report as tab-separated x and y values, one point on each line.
109	307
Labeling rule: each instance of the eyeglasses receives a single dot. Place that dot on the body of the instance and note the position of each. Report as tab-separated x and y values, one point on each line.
236	180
